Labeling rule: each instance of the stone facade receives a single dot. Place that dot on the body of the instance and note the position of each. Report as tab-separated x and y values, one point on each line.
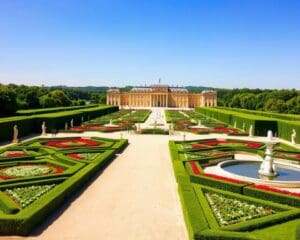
161	96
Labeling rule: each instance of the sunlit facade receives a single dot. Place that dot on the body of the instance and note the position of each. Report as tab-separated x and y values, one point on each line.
161	96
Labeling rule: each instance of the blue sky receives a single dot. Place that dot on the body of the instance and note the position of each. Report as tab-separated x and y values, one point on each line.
229	43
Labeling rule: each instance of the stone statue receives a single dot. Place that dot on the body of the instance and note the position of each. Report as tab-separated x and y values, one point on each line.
44	129
234	126
16	133
66	126
72	123
251	131
244	127
293	136
82	119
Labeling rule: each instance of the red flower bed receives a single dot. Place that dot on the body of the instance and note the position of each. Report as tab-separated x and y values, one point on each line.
5	177
57	169
225	130
194	167
275	190
15	154
224	178
97	128
75	156
217	142
197	146
67	143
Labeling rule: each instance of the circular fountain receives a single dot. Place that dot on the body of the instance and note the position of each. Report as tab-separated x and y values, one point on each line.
264	171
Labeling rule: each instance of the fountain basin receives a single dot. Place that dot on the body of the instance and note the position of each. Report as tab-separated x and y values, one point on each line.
288	175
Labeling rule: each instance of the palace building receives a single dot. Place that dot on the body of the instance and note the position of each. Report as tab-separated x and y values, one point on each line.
160	95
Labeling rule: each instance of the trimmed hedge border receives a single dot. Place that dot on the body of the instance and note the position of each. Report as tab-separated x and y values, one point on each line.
275	197
32	124
29	112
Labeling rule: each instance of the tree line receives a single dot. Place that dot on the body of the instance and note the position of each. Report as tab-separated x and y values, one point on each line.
280	101
14	97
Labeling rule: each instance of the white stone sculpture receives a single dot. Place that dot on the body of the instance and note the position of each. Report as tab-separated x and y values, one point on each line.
72	123
44	129
267	167
251	131
16	133
66	126
293	136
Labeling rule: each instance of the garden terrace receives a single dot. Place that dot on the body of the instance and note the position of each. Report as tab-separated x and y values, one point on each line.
37	176
218	207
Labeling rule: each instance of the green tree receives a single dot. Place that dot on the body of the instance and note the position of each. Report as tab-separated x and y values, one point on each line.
8	101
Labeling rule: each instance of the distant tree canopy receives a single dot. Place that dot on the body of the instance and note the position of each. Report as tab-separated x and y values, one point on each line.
14	97
8	103
281	101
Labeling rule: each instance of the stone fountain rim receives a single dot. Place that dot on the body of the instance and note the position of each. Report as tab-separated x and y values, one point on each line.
255	180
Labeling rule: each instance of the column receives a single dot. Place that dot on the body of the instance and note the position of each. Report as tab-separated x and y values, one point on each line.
159	100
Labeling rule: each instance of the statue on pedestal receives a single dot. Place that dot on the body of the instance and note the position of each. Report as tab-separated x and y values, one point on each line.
251	131
44	129
293	136
16	133
72	123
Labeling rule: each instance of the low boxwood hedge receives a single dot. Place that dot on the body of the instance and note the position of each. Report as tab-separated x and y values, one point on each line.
272	196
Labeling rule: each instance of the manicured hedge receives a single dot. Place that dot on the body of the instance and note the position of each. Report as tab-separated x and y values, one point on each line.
260	124
272	196
285	129
29	112
214	234
289	117
32	124
193	214
215	183
25	127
